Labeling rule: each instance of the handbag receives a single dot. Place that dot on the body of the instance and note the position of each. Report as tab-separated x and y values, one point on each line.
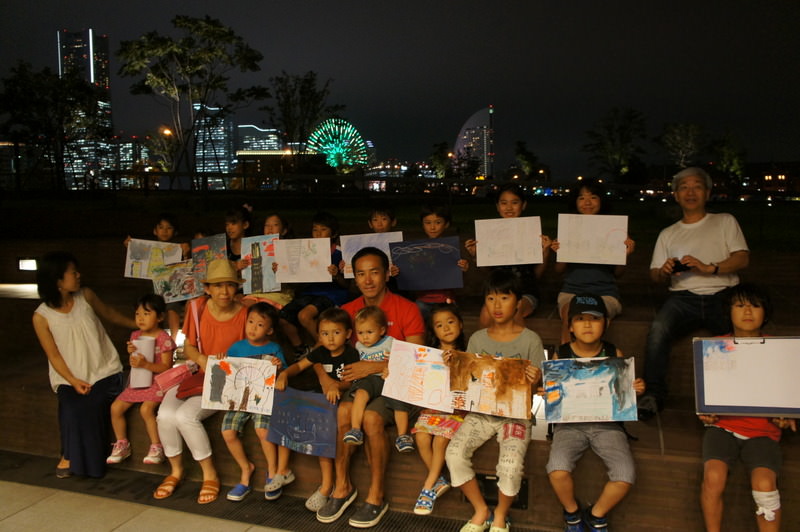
191	386
171	377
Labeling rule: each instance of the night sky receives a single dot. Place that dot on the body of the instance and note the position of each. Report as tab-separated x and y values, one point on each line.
410	73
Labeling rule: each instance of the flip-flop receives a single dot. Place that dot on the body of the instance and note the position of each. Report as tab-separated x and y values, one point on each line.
238	492
167	485
63	472
210	488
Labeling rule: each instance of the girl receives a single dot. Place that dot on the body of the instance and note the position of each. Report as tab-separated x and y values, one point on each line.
434	429
237	226
85	370
587	198
212	325
511	203
275	224
150	311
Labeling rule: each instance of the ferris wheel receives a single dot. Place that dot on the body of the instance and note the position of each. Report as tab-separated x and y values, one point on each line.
340	142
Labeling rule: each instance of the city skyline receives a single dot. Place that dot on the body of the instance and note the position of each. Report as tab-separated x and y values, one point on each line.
409	77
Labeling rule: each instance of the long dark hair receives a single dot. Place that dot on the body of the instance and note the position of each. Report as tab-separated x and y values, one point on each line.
49	270
433	341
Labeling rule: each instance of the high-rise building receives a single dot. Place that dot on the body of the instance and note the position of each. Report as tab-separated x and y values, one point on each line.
254	138
214	146
85	54
476	142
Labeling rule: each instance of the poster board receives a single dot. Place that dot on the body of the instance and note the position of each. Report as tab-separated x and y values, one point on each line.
747	376
239	383
509	241
176	282
490	385
303	260
352	244
304	422
429	264
258	276
578	390
143	256
595	239
204	250
418	376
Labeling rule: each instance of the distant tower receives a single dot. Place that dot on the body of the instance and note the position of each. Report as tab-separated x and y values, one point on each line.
476	140
85	53
214	147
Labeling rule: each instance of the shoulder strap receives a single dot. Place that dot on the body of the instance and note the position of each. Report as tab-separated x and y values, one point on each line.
198	305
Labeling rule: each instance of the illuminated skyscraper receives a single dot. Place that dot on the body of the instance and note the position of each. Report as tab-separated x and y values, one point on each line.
214	146
254	138
476	141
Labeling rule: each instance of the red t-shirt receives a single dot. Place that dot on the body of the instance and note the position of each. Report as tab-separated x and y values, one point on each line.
403	316
215	336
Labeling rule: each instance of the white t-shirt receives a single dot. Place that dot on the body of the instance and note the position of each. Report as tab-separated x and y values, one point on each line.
711	240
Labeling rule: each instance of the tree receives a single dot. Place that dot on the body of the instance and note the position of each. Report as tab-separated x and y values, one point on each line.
194	68
729	156
682	141
42	113
527	160
614	143
441	160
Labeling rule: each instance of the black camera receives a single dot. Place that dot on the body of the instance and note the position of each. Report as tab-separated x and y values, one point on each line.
678	266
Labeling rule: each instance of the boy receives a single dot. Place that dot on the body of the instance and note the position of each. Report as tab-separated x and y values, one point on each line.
753	439
588	319
503	338
329	360
317	297
381	219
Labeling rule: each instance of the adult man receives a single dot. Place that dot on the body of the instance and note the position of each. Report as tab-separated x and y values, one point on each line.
371	271
699	256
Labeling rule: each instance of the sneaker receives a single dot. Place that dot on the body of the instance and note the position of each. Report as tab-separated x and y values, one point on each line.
279	481
368	515
155	455
647	407
120	451
271	495
441	486
425	501
335	507
354	437
573	522
594	523
316	501
404	444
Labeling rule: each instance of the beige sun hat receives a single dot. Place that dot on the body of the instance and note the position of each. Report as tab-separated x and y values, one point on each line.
222	271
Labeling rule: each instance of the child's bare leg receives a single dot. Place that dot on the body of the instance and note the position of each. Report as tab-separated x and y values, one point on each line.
291	332
763	479
308	319
484	320
360	400
401	420
564	488
326	468
118	422
501	510
270	451
715	475
173	322
613	493
473	494
440	444
236	449
425	448
284	453
148	413
525	310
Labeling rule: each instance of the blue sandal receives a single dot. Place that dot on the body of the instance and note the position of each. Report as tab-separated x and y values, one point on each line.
424	505
238	492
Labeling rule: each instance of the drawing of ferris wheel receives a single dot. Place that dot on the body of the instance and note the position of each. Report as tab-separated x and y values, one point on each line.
340	142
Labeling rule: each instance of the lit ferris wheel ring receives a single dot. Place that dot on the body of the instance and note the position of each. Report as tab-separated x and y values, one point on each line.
340	142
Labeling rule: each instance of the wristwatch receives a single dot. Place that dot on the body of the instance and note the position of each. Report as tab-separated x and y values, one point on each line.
716	268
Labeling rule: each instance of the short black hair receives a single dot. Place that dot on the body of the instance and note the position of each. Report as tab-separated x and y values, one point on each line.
512	188
49	270
439	210
169	218
381	209
594	187
502	281
336	315
750	293
152	302
328	220
370	250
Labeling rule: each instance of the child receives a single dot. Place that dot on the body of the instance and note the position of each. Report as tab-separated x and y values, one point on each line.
332	355
261	331
753	439
588	319
274	224
374	345
237	226
588	197
381	219
317	297
149	315
511	203
504	337
434	429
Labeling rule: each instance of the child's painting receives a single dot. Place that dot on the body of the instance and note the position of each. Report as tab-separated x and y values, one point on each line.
259	277
597	239
304	422
747	376
303	260
430	264
206	249
589	389
418	375
352	244
490	385
145	255
509	241
176	282
239	383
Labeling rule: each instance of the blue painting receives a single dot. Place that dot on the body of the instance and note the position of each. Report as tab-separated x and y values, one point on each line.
304	422
430	264
589	389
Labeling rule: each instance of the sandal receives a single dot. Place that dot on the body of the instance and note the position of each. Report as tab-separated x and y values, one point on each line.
210	488
166	488
238	492
424	505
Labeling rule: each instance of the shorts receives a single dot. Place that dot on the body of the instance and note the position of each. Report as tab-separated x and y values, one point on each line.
613	306
291	310
372	384
385	407
236	420
719	444
607	440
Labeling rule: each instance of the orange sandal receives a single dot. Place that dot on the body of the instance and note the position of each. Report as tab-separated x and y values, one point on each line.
210	488
167	487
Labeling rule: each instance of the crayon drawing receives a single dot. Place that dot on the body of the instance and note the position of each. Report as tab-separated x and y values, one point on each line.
598	239
304	422
204	250
418	375
258	276
234	383
176	282
589	389
490	385
430	264
351	244
509	241
303	260
145	255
